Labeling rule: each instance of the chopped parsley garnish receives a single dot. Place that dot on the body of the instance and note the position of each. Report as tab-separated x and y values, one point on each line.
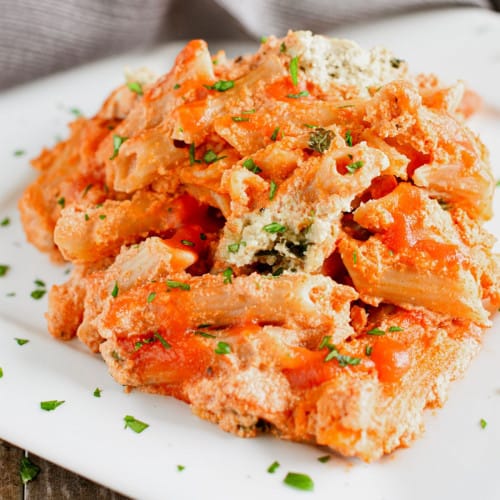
308	125
21	341
28	470
5	221
203	236
240	119
221	85
354	257
192	155
19	152
348	138
88	187
483	423
187	243
395	329
396	63
263	39
274	227
10	294
211	157
299	481
345	106
222	348
61	201
134	424
342	359
102	216
352	167
118	140
376	332
282	47
272	189
135	87
177	86
303	93
233	247
249	164
97	392
206	335
163	342
294	70
368	350
180	468
3	269
178	284
498	183
40	283
151	297
1	372
114	292
325	341
273	467
274	136
320	139
50	405
249	111
142	343
38	294
324	459
75	111
86	217
228	276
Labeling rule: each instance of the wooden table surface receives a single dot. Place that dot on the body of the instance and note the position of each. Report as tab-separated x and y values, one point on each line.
52	483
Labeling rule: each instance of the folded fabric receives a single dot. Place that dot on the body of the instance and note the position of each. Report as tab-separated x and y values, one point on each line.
38	38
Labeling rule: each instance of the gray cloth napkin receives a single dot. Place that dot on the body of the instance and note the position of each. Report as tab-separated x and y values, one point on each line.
40	37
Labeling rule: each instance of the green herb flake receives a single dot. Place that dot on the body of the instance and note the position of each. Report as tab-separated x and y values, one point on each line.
303	93
249	111
114	292
203	236
177	86
263	39
396	63
21	341
233	247
10	294
274	227
135	87
395	329
86	217
28	470
50	405
136	425
299	481
282	47
228	276
273	467
275	133
206	335
273	187
4	268
221	85
249	164
325	341
294	70
1	372
211	157
38	294
61	201
324	459
192	154
352	167
344	106
368	350
5	221
88	187
19	152
180	468
222	348
483	423
75	111
498	183
320	139
342	359
348	138
97	392
377	332
39	283
178	284
240	119
118	140
308	125
163	342
151	297
354	257
187	243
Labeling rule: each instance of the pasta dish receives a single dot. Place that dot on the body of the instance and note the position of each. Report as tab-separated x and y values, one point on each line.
290	242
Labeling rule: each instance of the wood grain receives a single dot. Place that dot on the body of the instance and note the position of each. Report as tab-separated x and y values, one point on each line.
52	483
